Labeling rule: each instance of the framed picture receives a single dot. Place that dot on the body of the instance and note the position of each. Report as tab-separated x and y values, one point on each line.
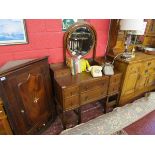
12	31
66	23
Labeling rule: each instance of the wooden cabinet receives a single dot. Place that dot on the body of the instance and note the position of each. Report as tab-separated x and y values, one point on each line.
4	124
25	87
138	76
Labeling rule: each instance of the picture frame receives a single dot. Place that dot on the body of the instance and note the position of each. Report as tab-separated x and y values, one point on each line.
66	23
13	31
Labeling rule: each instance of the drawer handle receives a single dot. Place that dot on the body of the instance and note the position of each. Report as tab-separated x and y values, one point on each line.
1	111
44	124
22	111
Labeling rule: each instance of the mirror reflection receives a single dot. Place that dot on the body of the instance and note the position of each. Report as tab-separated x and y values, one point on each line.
80	41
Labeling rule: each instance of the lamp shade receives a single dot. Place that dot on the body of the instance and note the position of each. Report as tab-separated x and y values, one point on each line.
131	24
142	31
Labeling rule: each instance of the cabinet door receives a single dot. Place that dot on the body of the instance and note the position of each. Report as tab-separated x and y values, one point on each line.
29	98
151	80
131	79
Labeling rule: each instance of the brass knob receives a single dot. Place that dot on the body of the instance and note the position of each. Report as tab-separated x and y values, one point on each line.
1	111
22	111
44	124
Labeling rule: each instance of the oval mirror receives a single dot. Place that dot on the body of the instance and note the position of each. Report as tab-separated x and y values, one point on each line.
80	40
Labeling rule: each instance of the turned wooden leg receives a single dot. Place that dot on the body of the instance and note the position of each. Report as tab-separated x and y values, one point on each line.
79	115
63	120
105	105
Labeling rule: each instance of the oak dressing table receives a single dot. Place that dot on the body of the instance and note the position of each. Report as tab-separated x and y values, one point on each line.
71	92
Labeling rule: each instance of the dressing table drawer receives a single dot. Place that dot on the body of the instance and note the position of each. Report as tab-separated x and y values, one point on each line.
93	85
70	91
71	103
113	88
92	95
115	79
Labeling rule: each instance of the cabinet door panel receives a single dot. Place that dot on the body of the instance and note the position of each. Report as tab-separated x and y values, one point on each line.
29	100
151	80
33	94
130	84
142	82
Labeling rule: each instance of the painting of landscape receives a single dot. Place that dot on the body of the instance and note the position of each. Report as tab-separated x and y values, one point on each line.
12	31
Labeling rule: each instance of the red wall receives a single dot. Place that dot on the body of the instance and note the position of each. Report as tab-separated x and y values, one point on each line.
45	37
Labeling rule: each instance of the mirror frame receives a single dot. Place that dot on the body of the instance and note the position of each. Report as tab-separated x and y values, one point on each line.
69	32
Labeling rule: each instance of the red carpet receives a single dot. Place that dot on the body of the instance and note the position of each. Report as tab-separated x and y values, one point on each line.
144	126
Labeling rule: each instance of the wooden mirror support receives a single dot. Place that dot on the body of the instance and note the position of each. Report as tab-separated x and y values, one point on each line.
79	40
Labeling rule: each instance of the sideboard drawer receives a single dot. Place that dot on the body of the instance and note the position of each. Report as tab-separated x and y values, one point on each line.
92	95
71	103
70	91
93	85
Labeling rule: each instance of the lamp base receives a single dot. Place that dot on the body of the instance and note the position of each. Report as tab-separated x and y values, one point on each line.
127	55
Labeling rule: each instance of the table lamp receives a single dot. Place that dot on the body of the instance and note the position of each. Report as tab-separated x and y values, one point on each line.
131	27
138	33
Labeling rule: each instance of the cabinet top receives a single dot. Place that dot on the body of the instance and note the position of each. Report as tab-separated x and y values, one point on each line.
13	65
139	57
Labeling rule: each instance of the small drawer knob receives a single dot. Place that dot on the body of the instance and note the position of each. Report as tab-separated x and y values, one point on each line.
1	111
44	124
22	111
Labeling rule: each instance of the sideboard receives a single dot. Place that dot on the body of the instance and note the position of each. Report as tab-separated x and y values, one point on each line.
138	76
